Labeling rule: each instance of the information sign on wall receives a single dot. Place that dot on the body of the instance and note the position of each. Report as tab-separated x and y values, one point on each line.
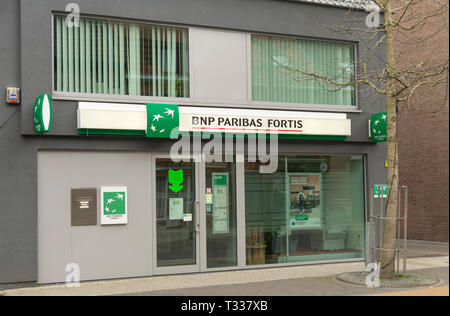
114	205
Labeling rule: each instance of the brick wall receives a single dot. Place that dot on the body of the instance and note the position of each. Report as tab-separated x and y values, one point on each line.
423	133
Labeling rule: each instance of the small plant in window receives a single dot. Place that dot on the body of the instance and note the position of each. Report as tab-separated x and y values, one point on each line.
256	239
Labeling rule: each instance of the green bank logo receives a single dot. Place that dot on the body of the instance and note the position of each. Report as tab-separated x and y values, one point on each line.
42	114
114	203
378	127
162	119
176	180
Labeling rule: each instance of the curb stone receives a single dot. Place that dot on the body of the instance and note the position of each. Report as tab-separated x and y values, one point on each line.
343	278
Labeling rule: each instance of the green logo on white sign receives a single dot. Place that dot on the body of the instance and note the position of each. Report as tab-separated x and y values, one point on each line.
114	203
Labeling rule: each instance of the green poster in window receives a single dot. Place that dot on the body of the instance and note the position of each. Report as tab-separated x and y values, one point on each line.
220	209
220	179
300	218
304	200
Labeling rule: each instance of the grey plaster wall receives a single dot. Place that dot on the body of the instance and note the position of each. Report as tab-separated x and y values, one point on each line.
101	252
25	61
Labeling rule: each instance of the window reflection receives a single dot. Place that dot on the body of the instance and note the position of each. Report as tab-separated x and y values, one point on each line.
311	209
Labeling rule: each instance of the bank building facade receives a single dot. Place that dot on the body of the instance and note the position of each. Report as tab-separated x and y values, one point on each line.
172	136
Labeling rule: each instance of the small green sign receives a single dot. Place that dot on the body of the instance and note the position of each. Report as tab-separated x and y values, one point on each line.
380	190
114	203
162	119
220	179
42	114
301	218
378	127
176	180
209	198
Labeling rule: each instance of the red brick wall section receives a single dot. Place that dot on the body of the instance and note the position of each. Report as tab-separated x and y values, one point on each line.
423	133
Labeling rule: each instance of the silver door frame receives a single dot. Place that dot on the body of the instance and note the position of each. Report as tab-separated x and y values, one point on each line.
201	236
239	186
197	225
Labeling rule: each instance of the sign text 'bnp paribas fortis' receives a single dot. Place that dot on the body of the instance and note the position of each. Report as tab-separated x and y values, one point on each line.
162	119
247	124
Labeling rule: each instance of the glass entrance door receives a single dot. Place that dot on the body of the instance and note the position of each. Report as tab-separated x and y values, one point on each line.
176	209
194	217
220	212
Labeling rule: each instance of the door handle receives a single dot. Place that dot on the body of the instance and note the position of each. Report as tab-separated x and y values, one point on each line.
197	216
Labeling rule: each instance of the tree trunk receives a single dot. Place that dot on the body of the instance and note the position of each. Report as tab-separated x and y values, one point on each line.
390	225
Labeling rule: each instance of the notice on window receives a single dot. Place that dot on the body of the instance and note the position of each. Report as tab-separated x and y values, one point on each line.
209	199
175	209
220	208
305	207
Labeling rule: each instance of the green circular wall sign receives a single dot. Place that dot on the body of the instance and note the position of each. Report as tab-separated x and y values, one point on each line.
42	114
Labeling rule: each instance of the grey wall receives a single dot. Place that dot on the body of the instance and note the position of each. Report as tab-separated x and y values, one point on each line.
269	16
25	61
101	252
17	163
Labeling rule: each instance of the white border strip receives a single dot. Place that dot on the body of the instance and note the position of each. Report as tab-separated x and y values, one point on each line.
260	113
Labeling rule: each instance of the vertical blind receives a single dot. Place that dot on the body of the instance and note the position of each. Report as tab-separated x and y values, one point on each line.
280	67
120	58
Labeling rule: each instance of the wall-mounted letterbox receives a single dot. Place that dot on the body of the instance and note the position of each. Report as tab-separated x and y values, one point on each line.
84	206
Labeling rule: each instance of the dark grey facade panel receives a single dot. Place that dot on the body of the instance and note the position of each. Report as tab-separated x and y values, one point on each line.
25	61
265	16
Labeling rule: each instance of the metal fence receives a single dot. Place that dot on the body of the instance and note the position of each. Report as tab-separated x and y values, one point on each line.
379	197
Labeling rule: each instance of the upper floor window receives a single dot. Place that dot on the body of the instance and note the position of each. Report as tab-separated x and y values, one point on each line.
120	58
285	70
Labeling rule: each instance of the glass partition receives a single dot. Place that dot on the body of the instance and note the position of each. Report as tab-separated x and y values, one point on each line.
221	215
311	208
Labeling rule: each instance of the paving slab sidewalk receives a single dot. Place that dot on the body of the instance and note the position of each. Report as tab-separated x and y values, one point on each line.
437	291
172	282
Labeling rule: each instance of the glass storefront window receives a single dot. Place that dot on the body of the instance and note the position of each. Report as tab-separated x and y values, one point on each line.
311	208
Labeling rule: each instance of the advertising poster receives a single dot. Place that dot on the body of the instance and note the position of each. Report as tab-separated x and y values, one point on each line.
305	201
114	206
175	209
220	204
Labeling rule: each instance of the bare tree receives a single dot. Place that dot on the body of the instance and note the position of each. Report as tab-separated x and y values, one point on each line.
407	25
